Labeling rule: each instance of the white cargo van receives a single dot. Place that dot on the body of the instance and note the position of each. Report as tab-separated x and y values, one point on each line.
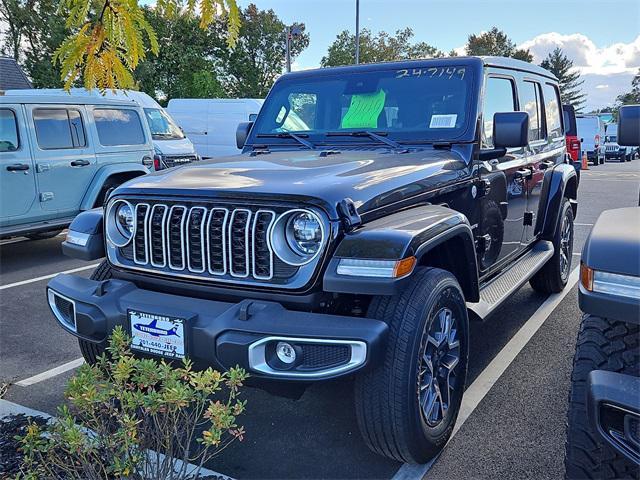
211	123
591	133
171	145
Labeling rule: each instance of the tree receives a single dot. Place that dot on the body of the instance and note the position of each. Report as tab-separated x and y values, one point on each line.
632	97
496	42
258	58
377	48
110	38
560	65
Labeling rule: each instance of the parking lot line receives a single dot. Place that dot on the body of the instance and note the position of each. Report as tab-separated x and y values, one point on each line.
46	277
51	373
474	394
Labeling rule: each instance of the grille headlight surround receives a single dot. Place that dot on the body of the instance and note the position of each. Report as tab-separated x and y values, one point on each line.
298	236
120	223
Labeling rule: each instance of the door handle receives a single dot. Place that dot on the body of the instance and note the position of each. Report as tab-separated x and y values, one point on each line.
80	163
523	173
546	165
18	167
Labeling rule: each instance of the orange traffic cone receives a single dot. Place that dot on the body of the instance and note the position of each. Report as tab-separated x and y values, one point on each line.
585	161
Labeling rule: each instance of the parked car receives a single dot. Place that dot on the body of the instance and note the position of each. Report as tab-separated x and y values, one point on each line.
60	156
574	146
612	148
414	196
211	123
172	147
603	428
591	133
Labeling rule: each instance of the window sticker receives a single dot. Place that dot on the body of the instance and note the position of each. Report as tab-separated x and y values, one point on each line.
443	121
364	110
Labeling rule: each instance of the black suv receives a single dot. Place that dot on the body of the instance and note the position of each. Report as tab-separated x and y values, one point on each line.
374	210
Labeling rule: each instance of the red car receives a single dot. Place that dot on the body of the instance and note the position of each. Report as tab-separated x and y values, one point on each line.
574	146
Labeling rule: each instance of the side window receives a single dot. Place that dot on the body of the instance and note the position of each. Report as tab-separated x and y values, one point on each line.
118	126
59	128
552	110
498	97
9	140
531	102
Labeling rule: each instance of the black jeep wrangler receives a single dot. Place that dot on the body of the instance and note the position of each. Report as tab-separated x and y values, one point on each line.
373	211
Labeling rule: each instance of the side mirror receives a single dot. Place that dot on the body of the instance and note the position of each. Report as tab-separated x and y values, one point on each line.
242	133
629	126
510	129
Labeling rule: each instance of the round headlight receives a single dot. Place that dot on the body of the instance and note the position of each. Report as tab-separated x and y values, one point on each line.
297	237
120	224
304	233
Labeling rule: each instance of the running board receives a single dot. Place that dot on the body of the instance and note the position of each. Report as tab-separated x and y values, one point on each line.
494	293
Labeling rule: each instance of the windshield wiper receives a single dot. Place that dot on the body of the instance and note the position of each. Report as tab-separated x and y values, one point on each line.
297	138
373	135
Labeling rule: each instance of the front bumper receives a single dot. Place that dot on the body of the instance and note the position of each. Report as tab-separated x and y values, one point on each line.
223	334
615	154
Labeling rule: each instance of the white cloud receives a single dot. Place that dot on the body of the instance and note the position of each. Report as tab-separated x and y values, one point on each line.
602	86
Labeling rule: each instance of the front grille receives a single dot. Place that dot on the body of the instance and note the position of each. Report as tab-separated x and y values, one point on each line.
177	160
65	307
203	240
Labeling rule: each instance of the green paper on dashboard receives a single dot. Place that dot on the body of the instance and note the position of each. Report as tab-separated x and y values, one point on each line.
364	110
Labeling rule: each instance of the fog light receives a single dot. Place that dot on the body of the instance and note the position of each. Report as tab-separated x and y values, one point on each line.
285	352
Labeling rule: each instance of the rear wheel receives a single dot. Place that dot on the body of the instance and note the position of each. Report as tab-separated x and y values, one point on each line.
90	350
408	405
553	277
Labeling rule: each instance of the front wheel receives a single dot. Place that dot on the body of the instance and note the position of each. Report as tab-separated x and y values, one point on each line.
553	277
90	350
408	405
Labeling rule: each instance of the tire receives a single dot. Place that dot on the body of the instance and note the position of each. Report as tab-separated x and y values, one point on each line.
553	277
90	350
602	344
492	224
388	398
44	235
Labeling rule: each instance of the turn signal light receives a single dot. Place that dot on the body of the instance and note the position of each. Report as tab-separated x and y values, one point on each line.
404	267
586	277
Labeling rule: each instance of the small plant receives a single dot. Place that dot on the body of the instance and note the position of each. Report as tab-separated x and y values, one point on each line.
123	410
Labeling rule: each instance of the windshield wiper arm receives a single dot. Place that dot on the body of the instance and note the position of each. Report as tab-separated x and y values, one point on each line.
297	138
366	133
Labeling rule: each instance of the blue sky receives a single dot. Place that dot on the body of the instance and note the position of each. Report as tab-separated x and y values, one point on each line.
603	37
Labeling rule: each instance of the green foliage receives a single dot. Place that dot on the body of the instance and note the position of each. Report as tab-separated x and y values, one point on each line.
377	48
495	42
258	58
111	37
124	409
632	97
560	65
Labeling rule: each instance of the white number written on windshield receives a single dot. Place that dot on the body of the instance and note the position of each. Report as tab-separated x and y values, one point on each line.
440	72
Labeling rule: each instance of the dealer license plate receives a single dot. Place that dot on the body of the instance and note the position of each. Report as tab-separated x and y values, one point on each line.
157	334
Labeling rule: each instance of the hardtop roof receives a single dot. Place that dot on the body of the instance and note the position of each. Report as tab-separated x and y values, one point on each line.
64	99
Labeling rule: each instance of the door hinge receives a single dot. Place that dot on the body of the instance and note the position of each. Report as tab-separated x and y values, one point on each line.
528	218
46	196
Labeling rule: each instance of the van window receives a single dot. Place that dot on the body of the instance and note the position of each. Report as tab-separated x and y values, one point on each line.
530	102
118	126
161	125
59	128
552	110
499	97
9	141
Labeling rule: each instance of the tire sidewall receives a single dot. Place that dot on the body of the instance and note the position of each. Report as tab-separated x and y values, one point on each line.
566	212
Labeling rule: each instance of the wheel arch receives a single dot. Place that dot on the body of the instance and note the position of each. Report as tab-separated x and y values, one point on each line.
559	183
110	174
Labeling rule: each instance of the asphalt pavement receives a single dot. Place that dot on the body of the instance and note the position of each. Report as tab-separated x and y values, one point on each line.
515	428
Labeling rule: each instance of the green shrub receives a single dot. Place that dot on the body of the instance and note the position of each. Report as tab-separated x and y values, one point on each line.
124	409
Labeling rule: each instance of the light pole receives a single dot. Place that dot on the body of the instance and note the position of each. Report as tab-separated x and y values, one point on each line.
357	32
291	31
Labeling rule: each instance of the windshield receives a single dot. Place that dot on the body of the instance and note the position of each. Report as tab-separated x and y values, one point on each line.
420	104
162	125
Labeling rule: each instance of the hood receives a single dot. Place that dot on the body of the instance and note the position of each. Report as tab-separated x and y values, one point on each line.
182	146
372	178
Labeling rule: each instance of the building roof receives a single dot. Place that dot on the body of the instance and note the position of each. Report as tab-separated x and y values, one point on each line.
11	75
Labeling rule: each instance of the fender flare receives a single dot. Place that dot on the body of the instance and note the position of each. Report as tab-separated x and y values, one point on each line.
413	232
101	177
560	182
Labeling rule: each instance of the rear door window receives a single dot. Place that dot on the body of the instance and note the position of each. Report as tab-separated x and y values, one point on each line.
9	139
531	102
499	97
552	111
119	126
59	128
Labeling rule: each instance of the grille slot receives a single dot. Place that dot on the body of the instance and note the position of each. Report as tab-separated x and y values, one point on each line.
140	248
239	243
217	241
157	237
195	239
175	236
262	253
